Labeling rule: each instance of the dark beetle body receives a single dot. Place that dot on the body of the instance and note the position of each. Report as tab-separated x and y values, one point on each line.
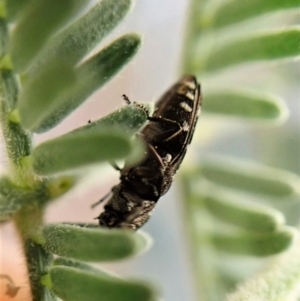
167	134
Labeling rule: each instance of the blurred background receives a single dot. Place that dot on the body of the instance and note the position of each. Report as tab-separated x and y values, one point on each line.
167	264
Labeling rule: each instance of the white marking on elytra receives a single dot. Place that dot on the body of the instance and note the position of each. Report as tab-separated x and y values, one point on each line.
167	158
190	95
186	107
190	84
185	126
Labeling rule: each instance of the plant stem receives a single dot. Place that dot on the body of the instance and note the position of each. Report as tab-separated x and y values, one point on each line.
38	261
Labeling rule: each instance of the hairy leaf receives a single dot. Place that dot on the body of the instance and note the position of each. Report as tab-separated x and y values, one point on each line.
60	261
255	245
60	185
249	177
71	284
41	93
7	209
10	86
11	199
92	75
3	36
33	29
93	244
234	210
278	281
129	118
231	11
83	35
38	262
79	149
246	105
18	140
277	44
15	7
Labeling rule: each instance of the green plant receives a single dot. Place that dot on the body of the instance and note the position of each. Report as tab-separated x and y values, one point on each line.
229	202
43	80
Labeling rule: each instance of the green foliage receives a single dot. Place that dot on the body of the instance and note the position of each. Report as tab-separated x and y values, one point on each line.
90	76
79	149
70	284
246	105
130	118
232	11
3	36
90	244
275	283
92	28
10	87
270	45
15	7
79	265
40	93
250	177
253	244
229	208
42	81
11	198
33	29
228	203
38	262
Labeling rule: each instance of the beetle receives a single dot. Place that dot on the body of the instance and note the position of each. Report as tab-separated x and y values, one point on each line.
167	135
